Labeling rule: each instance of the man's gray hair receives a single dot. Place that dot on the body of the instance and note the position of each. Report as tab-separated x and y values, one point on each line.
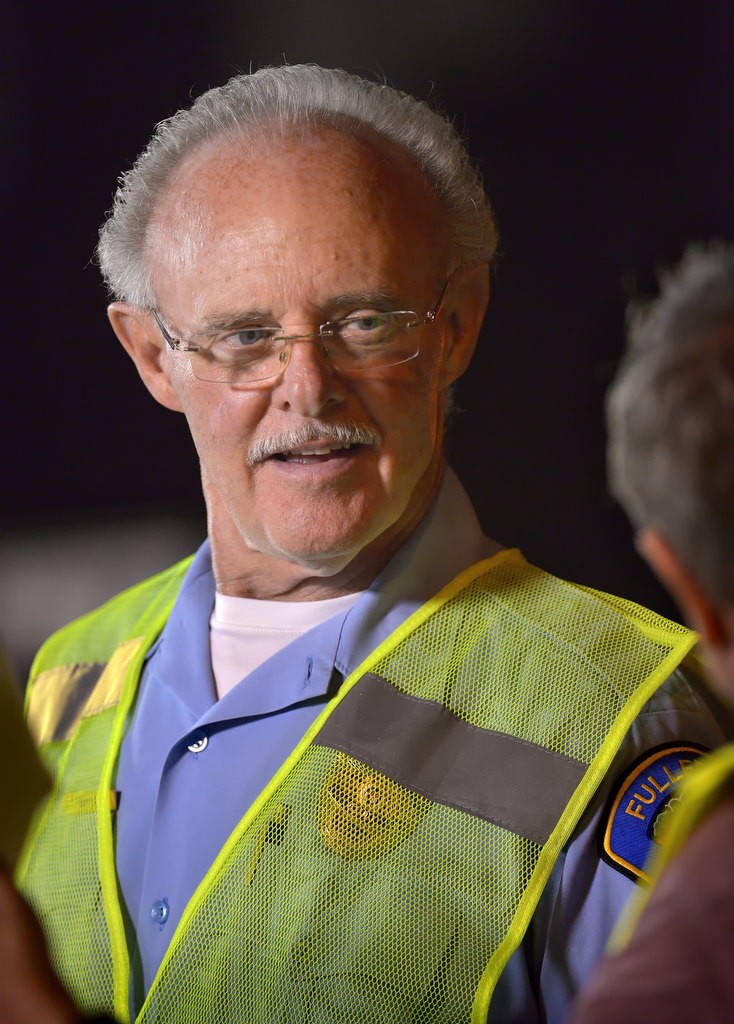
286	97
670	414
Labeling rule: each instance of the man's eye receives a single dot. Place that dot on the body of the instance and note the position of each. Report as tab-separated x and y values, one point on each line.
246	338
370	329
371	322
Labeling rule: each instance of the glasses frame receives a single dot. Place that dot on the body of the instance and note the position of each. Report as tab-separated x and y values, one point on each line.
326	330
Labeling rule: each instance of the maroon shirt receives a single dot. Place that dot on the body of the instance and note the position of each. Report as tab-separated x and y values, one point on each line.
679	964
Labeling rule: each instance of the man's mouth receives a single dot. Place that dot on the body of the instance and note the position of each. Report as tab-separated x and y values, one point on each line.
315	443
315	451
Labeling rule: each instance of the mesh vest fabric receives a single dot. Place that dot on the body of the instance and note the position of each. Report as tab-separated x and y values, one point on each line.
353	891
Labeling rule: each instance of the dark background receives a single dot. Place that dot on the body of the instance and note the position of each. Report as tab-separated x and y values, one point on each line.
604	134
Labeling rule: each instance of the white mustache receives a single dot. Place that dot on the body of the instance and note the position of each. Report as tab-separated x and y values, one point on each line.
337	433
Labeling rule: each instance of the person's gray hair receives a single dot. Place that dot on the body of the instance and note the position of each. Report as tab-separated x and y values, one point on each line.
670	416
287	97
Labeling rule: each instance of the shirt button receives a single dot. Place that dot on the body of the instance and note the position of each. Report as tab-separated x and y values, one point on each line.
159	911
199	743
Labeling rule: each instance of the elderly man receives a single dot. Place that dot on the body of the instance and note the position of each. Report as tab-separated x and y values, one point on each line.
671	458
351	762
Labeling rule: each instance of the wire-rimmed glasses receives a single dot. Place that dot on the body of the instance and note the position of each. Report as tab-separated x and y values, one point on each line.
354	344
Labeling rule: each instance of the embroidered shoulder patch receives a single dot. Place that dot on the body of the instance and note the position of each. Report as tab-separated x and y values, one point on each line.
639	804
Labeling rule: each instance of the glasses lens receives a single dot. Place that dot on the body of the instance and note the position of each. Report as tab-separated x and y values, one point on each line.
364	343
234	370
250	354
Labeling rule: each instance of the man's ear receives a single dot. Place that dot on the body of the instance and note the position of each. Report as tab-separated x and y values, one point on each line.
143	342
463	313
699	610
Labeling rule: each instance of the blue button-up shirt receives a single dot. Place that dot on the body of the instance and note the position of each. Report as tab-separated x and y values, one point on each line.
191	765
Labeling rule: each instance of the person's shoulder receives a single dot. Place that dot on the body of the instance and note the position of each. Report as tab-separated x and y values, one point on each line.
129	613
706	857
686	692
80	670
605	622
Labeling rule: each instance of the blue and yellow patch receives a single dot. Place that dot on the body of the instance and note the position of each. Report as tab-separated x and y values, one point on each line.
639	805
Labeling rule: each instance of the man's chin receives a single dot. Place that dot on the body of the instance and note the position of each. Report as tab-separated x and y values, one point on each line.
317	561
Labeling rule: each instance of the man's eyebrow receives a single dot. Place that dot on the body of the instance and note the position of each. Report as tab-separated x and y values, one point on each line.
216	322
380	298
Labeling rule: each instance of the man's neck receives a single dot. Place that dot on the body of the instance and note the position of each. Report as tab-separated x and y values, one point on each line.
270	579
241	571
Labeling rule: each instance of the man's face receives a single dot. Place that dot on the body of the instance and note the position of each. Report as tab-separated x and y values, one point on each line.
312	229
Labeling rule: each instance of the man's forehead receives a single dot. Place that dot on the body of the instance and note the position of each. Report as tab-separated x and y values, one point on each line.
279	165
290	188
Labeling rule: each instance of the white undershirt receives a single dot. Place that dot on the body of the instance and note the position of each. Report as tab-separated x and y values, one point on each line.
244	632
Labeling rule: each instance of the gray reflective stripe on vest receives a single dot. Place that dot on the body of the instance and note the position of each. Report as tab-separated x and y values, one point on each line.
420	744
59	698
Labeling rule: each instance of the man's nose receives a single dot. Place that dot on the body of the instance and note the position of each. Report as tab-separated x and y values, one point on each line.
308	383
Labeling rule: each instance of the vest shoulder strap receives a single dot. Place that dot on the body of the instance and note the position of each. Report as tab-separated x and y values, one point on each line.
95	636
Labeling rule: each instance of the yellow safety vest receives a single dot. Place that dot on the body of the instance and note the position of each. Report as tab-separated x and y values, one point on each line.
393	863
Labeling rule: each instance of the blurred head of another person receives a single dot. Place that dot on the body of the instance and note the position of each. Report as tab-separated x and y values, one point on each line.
670	416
